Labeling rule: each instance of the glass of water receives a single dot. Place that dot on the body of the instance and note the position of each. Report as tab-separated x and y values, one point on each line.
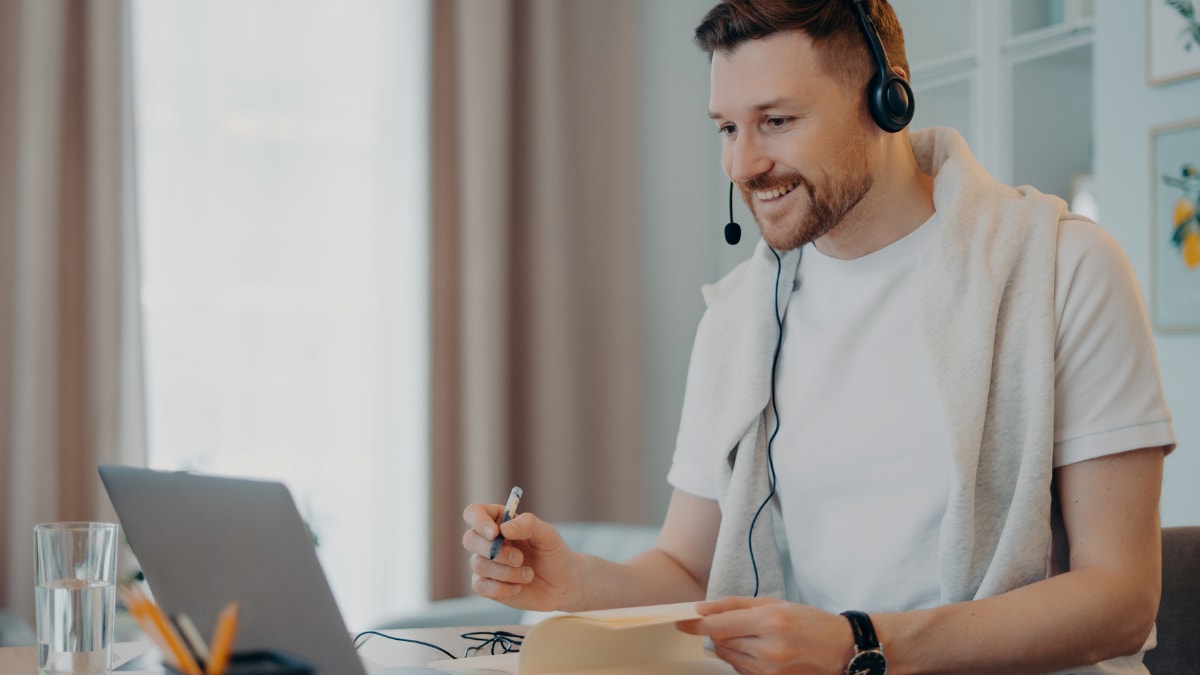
76	568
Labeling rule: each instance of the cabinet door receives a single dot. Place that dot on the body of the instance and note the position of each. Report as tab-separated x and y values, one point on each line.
1052	119
1013	76
943	55
935	31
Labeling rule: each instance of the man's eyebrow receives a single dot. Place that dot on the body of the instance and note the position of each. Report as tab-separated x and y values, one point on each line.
768	105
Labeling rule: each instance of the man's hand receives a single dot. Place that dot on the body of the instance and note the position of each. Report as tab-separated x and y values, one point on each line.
534	569
763	635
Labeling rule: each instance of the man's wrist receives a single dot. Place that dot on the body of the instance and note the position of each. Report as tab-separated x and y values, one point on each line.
574	597
868	658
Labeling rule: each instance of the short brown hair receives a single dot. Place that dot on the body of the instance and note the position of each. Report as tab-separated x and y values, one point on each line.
832	25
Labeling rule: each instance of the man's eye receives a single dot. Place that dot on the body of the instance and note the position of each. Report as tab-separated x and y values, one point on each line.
726	129
778	122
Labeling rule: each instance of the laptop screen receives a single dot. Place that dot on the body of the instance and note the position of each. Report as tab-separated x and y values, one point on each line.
203	541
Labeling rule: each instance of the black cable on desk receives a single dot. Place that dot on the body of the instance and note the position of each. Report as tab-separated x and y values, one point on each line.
368	633
503	640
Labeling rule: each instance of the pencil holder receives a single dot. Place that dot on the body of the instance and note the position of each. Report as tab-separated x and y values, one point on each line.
262	663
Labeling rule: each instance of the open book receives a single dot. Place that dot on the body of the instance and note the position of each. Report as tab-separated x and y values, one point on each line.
629	641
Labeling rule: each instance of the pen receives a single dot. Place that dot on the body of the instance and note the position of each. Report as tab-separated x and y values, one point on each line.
510	511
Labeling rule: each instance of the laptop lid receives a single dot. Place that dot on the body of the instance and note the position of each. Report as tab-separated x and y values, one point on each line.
203	541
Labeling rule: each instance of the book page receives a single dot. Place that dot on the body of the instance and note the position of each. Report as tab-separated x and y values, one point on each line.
638	616
567	644
628	641
506	664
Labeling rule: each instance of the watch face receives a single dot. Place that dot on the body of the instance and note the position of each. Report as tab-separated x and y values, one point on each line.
870	662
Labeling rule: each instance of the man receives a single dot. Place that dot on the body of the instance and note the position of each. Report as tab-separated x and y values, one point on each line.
952	408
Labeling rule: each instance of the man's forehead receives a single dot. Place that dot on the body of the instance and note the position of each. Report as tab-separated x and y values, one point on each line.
784	48
764	106
763	73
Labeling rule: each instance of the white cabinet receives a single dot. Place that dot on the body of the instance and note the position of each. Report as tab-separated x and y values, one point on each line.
1014	76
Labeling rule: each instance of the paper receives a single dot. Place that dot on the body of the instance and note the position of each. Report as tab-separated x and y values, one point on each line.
628	641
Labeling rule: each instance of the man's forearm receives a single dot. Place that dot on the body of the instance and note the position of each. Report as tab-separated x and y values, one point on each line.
1069	620
651	578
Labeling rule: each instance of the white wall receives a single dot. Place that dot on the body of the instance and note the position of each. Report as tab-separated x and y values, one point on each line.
685	209
1126	109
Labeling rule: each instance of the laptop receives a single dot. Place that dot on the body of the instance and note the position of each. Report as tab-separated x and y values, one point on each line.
203	541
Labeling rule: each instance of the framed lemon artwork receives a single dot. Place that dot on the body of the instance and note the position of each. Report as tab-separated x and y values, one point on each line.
1175	226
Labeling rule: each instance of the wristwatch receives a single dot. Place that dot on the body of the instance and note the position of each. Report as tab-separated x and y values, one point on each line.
868	658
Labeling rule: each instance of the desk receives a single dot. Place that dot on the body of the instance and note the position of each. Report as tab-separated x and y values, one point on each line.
23	660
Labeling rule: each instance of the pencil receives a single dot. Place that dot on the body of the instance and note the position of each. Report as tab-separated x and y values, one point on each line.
135	602
192	636
163	632
222	642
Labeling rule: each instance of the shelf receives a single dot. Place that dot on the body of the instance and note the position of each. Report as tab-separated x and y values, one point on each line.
1048	41
1037	16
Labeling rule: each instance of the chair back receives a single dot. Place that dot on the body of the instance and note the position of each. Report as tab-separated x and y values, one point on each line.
1178	650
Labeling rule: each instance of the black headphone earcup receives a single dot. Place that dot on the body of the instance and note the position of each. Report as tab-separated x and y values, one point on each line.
890	100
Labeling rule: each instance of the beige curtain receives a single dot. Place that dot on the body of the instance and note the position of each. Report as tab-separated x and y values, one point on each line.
536	240
69	375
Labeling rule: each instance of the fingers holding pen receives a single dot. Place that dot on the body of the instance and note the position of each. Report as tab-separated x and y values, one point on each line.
507	568
520	559
482	519
509	551
484	529
503	575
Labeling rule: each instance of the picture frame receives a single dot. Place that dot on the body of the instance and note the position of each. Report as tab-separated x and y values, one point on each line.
1175	226
1172	40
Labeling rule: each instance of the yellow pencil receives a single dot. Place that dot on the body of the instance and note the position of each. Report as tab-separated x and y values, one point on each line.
135	602
192	637
175	645
222	641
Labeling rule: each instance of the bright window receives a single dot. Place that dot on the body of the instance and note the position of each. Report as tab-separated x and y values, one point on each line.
281	163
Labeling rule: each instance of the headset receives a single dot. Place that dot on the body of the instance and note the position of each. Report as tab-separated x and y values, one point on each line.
889	96
733	231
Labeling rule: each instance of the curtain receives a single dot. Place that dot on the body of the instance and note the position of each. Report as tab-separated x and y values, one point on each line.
535	308
70	381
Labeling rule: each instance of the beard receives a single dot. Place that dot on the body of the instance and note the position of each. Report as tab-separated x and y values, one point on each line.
828	204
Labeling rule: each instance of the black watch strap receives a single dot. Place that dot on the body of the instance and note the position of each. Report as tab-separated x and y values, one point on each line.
864	630
868	658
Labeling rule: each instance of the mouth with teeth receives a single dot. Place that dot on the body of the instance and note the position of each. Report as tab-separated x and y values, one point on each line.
775	192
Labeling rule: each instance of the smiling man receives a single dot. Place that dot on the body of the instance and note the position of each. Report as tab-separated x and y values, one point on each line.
940	392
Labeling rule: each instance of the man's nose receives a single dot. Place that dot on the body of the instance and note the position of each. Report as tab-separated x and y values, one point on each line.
746	158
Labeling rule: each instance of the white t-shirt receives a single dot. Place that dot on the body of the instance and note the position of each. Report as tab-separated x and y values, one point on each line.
862	455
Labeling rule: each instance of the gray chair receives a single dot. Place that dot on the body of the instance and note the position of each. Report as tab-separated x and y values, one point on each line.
1178	650
611	541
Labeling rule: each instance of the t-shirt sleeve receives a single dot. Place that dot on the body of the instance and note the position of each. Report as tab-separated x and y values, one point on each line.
1108	396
